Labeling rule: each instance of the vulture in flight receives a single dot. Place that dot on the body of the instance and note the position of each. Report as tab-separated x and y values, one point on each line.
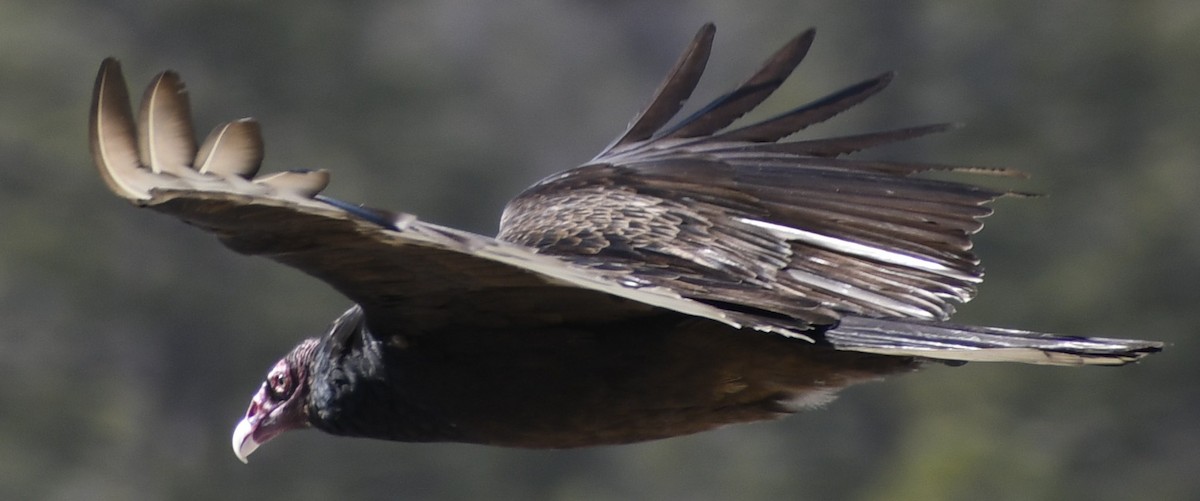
693	274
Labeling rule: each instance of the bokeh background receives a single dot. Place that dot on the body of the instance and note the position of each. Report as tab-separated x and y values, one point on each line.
130	344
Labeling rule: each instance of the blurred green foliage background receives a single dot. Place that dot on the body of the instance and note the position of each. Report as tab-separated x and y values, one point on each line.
130	344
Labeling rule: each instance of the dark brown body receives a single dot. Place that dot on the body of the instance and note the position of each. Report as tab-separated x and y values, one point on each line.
604	384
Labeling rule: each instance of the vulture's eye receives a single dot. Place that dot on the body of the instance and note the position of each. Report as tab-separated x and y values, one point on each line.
280	385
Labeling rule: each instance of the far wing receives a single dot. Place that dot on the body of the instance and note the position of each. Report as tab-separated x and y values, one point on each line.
402	271
735	218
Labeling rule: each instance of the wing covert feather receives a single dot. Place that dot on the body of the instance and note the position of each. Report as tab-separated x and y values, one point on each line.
418	274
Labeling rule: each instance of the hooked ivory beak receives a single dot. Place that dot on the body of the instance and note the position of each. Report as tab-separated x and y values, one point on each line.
264	420
243	438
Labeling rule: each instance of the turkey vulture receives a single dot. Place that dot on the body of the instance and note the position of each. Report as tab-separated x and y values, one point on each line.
691	275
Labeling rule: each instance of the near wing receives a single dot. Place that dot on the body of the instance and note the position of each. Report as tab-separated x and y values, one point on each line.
402	271
731	217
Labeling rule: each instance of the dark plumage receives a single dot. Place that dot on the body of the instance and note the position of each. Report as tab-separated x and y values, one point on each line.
691	275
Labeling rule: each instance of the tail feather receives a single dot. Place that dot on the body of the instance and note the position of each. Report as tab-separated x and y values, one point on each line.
966	343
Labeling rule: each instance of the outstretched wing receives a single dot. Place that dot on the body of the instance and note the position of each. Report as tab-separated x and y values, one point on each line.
420	277
732	217
403	272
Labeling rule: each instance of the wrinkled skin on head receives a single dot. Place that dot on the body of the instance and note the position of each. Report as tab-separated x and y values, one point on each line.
280	403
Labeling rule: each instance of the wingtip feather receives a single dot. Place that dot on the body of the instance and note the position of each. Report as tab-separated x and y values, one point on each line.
232	149
673	92
727	108
112	134
167	142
